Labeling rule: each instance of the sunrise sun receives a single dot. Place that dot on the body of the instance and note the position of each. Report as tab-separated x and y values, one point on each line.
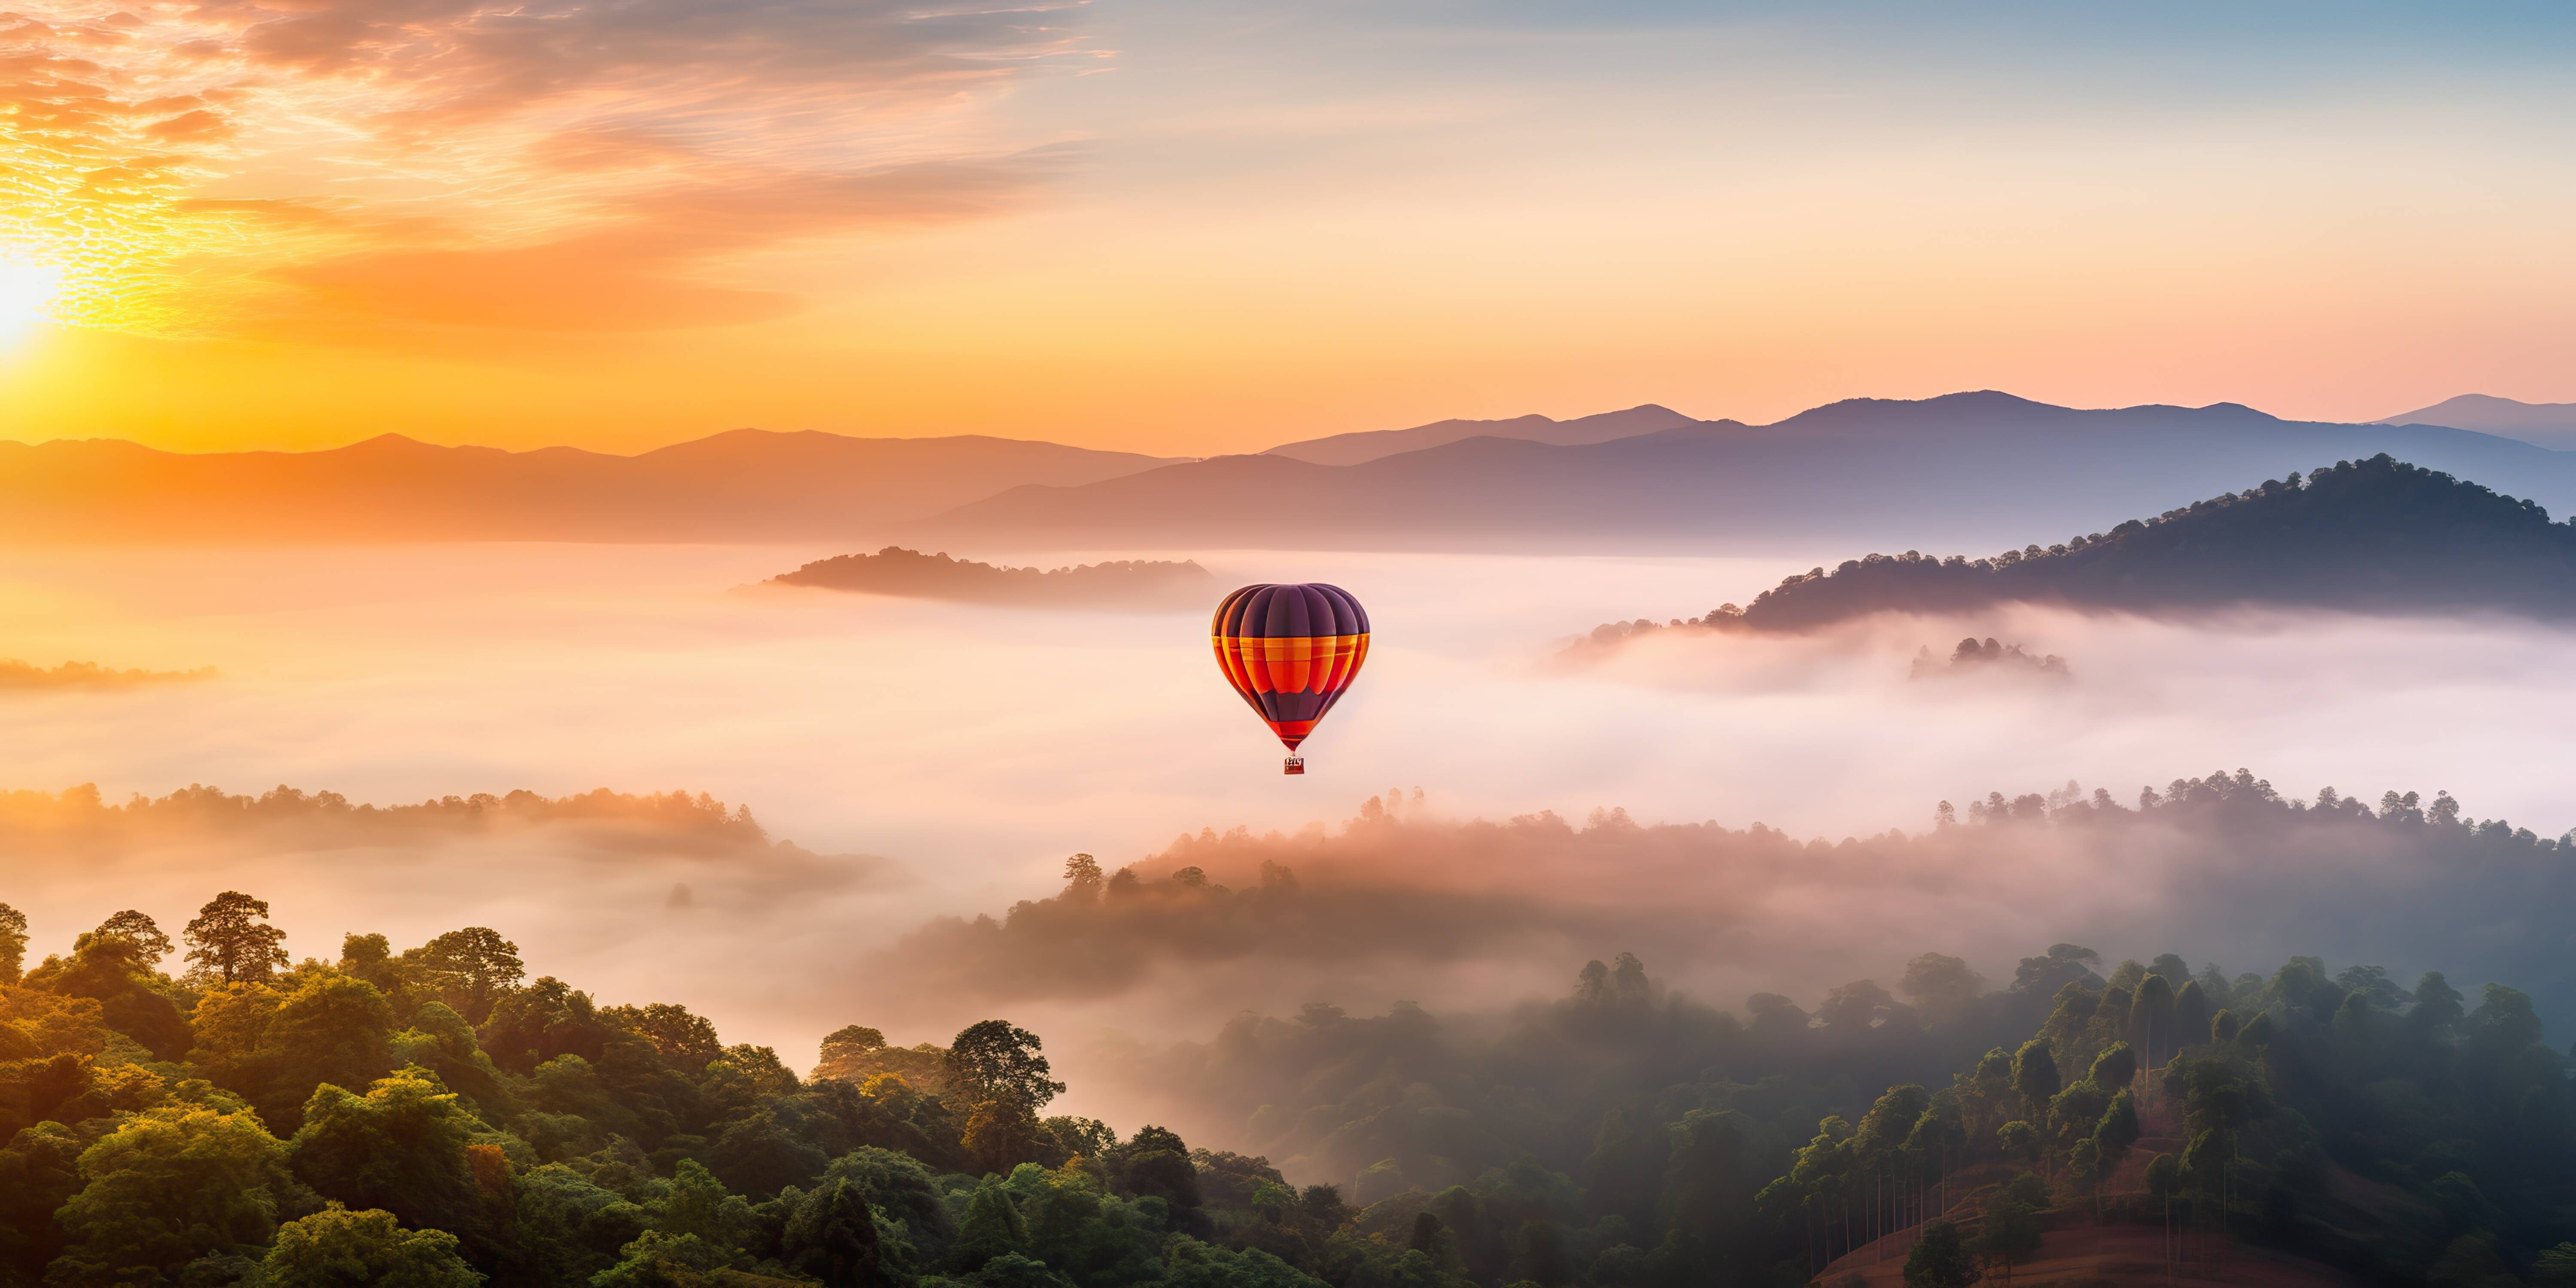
27	291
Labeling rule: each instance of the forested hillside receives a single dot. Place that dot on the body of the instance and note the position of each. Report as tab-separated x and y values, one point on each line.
431	1117
2371	536
1111	583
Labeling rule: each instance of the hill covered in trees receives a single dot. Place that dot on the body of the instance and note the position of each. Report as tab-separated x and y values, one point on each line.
1113	583
1443	908
2373	536
432	1118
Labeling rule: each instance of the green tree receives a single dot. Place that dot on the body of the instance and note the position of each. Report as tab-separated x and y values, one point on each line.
400	1147
2191	1014
116	971
2117	1131
2011	1235
696	1203
991	1227
846	1053
759	1157
469	969
657	1259
997	1061
231	941
833	1237
39	1171
170	1185
1940	1259
2035	1077
13	944
2151	1017
329	1028
684	1038
338	1248
139	930
2115	1068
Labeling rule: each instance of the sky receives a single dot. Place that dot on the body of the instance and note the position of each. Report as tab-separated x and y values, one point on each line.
1206	226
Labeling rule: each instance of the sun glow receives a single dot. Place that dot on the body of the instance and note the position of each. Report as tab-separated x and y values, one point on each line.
28	290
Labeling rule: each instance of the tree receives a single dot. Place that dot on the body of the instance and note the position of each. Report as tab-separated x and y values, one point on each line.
2191	1015
998	1061
230	941
13	944
659	1259
2011	1234
1001	1135
331	1029
400	1147
845	1053
1082	879
1156	1162
2151	1017
833	1237
2035	1076
992	1227
2018	1137
136	929
1940	1259
758	1157
470	969
338	1248
2117	1131
1941	985
683	1037
170	1185
2115	1068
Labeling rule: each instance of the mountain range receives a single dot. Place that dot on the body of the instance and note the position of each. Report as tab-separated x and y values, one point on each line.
2551	425
1369	445
745	485
1966	469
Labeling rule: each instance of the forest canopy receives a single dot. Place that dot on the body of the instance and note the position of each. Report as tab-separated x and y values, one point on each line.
2374	536
432	1116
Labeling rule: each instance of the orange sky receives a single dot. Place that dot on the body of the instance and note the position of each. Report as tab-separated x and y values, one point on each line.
1192	228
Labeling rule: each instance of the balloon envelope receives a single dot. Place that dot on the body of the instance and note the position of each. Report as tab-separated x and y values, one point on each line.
1291	651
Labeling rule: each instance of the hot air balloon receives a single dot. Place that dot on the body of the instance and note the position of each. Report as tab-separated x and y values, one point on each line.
1291	651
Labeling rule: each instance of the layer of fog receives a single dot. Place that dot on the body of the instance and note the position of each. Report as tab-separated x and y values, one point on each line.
973	748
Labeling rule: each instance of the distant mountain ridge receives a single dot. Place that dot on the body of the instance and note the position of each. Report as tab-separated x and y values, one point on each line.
1971	469
1962	469
2373	536
2550	425
743	485
1370	445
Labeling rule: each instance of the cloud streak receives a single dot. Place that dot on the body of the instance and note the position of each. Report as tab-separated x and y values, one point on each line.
229	167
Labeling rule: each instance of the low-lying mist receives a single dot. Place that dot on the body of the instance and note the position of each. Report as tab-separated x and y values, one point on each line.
970	749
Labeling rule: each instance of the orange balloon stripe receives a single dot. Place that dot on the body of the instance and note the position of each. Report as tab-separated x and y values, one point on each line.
1291	664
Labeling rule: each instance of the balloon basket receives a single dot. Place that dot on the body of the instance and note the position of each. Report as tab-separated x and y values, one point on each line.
1293	765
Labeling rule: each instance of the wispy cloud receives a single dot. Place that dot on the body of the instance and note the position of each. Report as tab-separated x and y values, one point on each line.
579	164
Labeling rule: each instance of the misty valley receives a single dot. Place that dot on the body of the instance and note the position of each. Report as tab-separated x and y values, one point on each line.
2182	902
